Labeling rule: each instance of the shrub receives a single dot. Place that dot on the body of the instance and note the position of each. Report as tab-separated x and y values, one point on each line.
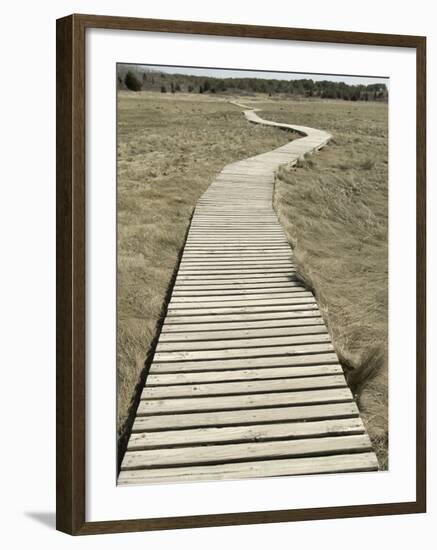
132	82
163	90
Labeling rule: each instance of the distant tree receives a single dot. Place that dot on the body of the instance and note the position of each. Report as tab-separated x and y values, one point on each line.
262	87
298	89
221	86
135	79
132	82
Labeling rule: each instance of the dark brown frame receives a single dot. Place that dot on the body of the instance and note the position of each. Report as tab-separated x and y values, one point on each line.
70	206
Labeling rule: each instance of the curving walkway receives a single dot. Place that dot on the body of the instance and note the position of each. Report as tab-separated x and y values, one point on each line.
245	381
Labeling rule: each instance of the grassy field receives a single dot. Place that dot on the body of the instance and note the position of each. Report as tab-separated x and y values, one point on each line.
334	208
170	147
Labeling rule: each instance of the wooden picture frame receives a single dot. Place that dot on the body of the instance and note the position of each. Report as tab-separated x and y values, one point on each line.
70	204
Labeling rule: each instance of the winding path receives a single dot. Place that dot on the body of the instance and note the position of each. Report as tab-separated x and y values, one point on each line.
245	381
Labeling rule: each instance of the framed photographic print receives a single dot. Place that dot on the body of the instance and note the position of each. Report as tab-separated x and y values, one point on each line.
240	274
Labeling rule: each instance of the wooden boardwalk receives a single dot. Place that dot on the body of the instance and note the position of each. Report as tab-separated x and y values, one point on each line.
245	381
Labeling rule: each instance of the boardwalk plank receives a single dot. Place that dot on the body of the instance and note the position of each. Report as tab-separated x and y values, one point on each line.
317	358
288	275
269	468
241	402
230	293
313	337
239	282
249	418
322	344
249	309
260	432
239	334
158	376
236	292
239	388
310	318
216	454
307	298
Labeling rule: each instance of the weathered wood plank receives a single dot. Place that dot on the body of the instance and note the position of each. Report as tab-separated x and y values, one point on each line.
231	228
299	339
229	288
320	343
319	358
230	258
225	246
246	310
232	265
216	454
237	232
158	377
240	434
310	318
246	301
267	241
226	272
234	293
239	334
205	270
248	418
238	225
239	282
243	387
262	468
221	282
280	259
241	402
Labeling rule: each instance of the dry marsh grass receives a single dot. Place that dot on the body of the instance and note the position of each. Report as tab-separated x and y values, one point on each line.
170	147
334	208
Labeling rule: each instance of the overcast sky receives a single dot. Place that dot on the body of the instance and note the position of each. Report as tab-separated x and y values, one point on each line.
229	73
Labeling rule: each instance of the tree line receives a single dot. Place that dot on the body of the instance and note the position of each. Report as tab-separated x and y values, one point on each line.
135	79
